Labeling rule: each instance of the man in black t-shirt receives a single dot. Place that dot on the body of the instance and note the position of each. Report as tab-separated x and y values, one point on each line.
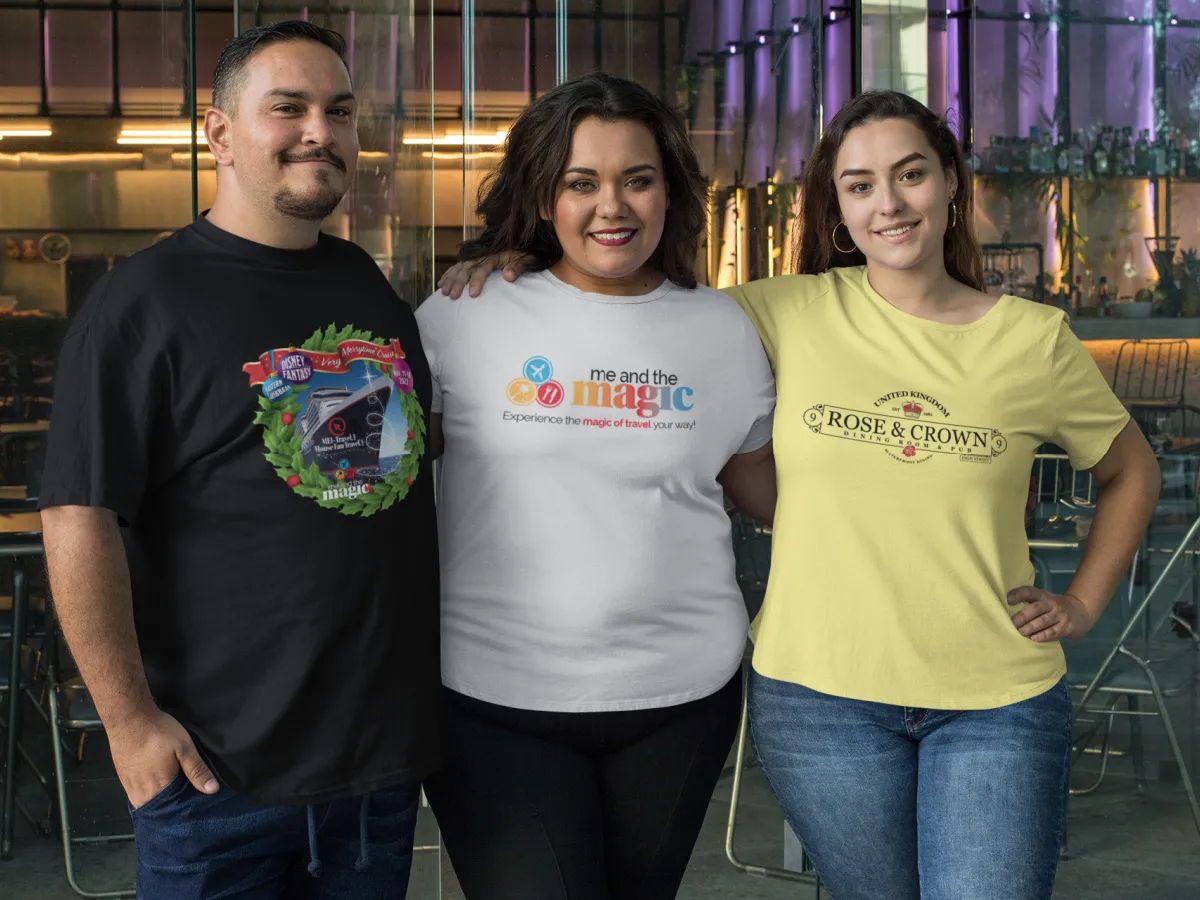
238	514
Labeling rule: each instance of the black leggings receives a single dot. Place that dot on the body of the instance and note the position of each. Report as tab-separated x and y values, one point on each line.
578	806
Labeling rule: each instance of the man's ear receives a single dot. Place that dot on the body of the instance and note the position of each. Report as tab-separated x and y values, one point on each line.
218	131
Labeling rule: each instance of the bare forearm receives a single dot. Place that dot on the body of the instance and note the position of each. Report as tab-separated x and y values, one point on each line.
1125	507
752	488
89	580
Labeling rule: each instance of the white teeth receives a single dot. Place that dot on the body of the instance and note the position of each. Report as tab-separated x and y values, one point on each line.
614	236
894	232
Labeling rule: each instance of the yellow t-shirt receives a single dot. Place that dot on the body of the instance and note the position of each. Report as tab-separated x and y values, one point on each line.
904	449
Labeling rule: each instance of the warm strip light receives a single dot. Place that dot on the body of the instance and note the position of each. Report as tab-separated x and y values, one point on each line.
25	132
460	140
159	136
160	141
445	154
157	132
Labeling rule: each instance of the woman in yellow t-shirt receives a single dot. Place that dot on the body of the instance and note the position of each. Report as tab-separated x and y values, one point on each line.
908	703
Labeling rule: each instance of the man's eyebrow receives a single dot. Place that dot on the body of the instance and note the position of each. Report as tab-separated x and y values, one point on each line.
305	96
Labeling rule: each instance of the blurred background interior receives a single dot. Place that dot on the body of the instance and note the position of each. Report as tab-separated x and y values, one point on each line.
1081	122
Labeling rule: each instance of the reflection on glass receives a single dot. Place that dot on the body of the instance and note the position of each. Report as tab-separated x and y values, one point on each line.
895	46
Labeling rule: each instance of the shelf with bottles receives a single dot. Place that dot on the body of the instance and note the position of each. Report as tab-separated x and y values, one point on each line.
1166	307
1107	153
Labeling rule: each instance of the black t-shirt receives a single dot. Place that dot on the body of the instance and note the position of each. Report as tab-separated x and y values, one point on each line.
256	417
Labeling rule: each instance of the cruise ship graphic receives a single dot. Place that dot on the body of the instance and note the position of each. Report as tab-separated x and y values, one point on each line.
341	426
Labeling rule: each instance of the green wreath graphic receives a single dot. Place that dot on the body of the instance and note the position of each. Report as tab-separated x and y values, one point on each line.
278	419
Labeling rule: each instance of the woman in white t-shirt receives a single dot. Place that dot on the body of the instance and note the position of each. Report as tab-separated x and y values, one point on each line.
593	414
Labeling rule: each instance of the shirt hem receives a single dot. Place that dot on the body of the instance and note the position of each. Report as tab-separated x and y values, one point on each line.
592	705
974	702
350	789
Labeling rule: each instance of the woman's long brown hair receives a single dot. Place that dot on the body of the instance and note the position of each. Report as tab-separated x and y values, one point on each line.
820	212
512	198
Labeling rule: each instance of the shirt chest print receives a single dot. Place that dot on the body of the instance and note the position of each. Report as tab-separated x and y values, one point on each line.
910	427
647	400
341	422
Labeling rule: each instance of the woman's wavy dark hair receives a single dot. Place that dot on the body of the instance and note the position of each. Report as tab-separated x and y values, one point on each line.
820	213
513	197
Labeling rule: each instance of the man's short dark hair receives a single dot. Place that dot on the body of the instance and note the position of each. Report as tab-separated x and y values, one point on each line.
237	53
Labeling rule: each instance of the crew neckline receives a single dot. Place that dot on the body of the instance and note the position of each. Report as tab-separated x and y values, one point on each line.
661	291
930	324
264	254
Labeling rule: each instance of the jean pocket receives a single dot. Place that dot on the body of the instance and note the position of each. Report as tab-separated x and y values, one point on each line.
174	788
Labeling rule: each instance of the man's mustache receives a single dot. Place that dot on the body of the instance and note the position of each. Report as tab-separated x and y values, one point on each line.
323	155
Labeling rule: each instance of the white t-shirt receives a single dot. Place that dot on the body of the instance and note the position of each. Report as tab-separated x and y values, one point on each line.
585	552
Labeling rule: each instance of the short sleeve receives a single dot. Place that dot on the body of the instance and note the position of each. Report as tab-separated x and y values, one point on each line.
437	319
1087	414
762	394
107	394
753	298
772	305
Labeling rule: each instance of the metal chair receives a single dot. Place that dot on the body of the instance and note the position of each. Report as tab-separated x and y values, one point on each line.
1151	372
69	708
1150	377
1065	501
1150	666
19	539
752	554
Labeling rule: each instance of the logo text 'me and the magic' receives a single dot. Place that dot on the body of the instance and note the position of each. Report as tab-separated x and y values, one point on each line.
646	393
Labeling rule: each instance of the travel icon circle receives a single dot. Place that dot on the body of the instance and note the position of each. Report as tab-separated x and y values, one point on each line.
536	384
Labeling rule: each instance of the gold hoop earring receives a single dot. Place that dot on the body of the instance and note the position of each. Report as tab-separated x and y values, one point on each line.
953	214
833	237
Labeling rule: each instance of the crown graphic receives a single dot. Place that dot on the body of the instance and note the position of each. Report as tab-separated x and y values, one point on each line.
912	410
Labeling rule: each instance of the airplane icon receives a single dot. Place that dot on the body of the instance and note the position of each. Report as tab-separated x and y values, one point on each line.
538	369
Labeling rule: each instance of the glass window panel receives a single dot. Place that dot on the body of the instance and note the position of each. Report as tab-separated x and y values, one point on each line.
446	66
20	62
213	31
1111	77
501	55
630	49
151	62
79	60
513	7
544	53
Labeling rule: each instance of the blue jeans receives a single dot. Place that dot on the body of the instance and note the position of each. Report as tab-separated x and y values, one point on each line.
919	804
193	846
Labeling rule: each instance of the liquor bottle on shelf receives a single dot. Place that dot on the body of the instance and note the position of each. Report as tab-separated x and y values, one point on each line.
1033	151
1018	155
1193	158
1141	153
1048	154
1181	162
1102	297
1100	157
1158	157
1172	154
1000	156
1077	296
1077	155
1062	159
1122	153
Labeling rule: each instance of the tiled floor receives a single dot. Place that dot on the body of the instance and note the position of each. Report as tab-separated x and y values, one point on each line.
1124	846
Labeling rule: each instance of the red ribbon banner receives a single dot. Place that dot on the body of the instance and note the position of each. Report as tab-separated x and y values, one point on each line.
347	352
